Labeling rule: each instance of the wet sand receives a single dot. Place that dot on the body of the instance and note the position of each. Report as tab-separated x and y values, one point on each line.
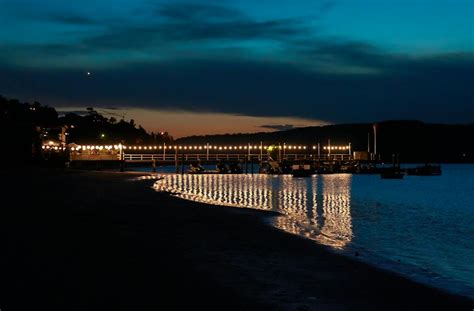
98	241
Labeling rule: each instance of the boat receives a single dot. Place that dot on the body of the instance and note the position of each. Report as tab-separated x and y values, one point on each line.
270	167
235	168
425	170
221	168
198	169
324	170
302	170
392	174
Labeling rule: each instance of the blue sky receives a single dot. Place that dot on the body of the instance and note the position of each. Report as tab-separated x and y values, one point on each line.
331	61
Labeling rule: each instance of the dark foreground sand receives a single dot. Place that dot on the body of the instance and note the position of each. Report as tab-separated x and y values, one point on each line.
96	241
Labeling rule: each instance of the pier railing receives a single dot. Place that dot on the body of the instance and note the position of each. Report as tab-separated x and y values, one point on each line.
189	157
208	152
147	157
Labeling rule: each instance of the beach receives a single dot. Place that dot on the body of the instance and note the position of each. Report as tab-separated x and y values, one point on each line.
79	240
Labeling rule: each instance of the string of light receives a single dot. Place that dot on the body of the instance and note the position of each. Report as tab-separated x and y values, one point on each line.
193	147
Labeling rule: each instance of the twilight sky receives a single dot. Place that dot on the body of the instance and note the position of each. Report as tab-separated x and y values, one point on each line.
195	67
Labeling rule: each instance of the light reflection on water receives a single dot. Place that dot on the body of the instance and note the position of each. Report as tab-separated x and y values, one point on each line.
421	227
318	208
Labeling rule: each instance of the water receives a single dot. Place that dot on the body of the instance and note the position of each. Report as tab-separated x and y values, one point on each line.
422	227
167	169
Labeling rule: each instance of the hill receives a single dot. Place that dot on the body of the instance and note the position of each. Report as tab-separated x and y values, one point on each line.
415	141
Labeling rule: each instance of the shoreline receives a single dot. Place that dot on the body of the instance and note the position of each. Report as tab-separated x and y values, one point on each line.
353	251
267	216
226	257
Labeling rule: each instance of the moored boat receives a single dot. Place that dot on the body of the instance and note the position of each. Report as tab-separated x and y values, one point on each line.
392	174
302	170
425	170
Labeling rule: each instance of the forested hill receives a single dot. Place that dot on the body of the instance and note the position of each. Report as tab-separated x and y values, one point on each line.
25	127
415	141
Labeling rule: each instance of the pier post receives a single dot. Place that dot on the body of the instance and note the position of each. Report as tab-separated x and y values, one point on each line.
375	139
329	149
176	160
248	149
122	158
279	152
182	162
368	143
164	152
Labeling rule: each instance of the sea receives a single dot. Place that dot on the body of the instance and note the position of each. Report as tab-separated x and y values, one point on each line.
421	226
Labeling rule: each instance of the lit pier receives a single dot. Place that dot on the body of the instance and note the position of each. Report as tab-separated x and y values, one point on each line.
206	153
270	158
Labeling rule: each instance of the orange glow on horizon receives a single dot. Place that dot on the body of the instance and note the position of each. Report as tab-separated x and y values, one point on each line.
186	123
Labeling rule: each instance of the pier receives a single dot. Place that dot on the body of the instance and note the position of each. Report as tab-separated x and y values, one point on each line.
209	154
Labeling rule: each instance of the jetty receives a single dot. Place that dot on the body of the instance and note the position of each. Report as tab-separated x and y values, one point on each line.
336	158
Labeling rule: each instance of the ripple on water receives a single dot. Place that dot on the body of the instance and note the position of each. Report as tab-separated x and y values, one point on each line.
420	226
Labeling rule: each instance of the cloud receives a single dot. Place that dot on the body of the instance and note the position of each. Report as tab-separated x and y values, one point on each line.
187	23
59	12
67	111
344	52
327	5
112	108
70	18
279	127
198	12
195	57
231	30
436	88
181	30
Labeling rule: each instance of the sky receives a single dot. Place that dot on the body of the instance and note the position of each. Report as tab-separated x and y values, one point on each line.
203	67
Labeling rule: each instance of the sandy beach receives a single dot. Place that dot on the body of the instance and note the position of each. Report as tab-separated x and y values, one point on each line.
78	240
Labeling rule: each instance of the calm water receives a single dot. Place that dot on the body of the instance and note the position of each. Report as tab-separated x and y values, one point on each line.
422	227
